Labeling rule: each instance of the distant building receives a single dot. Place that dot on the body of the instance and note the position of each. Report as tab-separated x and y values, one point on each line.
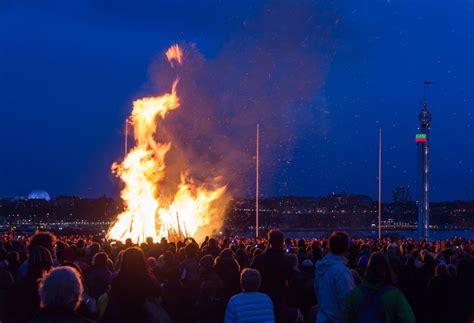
360	200
39	195
67	200
334	200
401	195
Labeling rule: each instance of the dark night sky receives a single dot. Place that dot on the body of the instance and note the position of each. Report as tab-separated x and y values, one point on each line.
70	69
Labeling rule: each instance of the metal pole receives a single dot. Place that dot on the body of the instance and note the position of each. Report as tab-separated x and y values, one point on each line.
380	184
256	179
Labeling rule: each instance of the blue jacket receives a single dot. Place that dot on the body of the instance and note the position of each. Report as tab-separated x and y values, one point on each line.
249	307
332	283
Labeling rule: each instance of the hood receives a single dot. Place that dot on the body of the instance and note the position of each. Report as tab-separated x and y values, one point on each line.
328	261
372	286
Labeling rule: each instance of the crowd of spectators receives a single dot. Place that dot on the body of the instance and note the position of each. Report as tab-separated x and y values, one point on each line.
48	278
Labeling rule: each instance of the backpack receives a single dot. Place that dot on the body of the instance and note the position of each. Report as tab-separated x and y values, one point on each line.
370	308
155	312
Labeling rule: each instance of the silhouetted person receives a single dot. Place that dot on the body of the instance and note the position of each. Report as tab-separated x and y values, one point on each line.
423	276
131	289
275	270
13	258
210	305
212	248
463	296
189	269
242	258
228	270
438	290
41	239
24	298
174	294
6	283
302	284
98	277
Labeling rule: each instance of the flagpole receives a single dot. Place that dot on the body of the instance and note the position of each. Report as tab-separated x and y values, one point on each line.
256	179
380	185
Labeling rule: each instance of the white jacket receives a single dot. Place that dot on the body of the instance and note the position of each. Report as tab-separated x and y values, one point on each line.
332	283
249	307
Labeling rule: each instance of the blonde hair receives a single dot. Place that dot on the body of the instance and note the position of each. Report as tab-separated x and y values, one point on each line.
250	280
61	287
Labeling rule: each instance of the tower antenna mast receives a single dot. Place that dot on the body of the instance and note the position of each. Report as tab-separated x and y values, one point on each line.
423	167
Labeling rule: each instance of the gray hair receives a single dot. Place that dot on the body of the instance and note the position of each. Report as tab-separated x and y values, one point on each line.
61	287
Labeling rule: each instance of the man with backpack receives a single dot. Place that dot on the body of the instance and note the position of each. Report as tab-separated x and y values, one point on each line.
376	299
333	280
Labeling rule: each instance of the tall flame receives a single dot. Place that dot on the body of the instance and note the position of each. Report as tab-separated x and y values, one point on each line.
147	214
174	53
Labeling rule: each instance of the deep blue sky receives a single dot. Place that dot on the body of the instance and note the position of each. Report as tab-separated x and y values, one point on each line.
70	69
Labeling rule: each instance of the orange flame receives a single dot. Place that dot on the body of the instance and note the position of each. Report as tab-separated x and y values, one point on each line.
146	213
174	53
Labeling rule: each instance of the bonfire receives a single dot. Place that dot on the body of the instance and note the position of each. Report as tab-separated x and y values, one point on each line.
147	214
